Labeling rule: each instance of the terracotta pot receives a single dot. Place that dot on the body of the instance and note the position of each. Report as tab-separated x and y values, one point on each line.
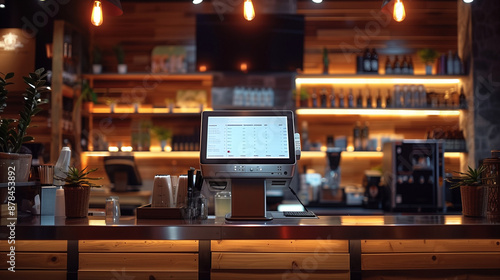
17	164
473	200
76	200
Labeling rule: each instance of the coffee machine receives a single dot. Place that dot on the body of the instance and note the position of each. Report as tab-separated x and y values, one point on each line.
330	191
413	173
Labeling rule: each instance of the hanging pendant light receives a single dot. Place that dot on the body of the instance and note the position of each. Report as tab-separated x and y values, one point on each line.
248	11
108	7
96	17
399	11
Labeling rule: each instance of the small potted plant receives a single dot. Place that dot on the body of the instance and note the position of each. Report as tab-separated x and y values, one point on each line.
164	135
77	191
428	56
13	132
96	60
472	189
120	57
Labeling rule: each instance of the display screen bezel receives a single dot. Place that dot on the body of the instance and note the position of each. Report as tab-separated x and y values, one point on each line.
270	113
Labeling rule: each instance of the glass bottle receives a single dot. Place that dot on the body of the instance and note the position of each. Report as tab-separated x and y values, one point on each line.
357	136
364	136
367	63
388	100
462	101
369	100
331	98
359	99
341	99
374	61
405	70
323	98
314	98
388	66
350	99
379	100
397	66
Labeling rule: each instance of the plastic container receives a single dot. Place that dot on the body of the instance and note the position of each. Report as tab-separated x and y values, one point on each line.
62	166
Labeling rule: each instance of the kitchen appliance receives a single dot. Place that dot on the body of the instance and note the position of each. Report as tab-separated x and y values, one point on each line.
413	172
331	192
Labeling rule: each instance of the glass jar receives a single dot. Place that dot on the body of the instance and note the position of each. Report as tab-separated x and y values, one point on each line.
222	203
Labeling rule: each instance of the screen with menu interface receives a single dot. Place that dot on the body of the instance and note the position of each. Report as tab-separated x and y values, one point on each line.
257	137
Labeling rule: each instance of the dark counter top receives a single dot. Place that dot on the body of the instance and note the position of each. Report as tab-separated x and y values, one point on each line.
397	226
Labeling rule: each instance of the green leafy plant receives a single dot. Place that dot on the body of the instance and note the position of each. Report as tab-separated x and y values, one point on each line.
87	94
76	177
473	177
162	133
119	53
96	55
13	131
428	56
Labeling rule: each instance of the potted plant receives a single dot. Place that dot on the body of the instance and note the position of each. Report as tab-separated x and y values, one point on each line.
164	135
428	56
96	60
13	132
77	191
472	189
120	57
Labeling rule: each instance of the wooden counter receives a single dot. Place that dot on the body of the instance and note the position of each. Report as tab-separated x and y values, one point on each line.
331	247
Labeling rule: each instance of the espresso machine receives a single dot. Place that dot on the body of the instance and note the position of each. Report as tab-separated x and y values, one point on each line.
330	191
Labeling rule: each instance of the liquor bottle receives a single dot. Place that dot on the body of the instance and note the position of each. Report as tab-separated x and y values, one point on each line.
397	66
462	100
331	98
422	96
314	98
326	61
367	63
364	137
405	70
407	96
415	97
388	66
369	101
359	99
388	100
457	65
379	100
449	63
350	99
411	67
323	98
356	133
374	61
397	96
341	99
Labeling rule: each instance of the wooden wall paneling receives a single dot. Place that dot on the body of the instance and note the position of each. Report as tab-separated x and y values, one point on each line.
413	246
36	246
276	275
262	261
181	262
33	274
138	246
136	275
405	261
40	261
280	246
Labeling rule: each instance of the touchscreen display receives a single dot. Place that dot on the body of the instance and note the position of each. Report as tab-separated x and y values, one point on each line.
247	137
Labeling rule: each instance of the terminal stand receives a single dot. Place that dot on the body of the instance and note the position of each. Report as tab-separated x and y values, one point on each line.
248	200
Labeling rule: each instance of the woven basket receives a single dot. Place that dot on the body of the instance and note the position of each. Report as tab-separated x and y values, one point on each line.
76	199
473	200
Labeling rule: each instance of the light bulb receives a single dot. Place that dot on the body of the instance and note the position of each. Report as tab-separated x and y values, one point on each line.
248	11
399	11
317	1
197	1
96	18
468	1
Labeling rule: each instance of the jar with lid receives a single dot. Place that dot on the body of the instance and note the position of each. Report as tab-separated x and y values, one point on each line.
491	174
222	203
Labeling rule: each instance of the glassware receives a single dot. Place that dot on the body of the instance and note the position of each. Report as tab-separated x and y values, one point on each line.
222	203
112	209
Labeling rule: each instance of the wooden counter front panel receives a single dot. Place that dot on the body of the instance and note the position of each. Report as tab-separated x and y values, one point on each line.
430	254
41	260
280	259
138	259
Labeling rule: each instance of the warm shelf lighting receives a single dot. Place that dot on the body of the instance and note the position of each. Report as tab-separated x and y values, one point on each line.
468	1
399	11
96	17
377	112
196	2
248	11
377	81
